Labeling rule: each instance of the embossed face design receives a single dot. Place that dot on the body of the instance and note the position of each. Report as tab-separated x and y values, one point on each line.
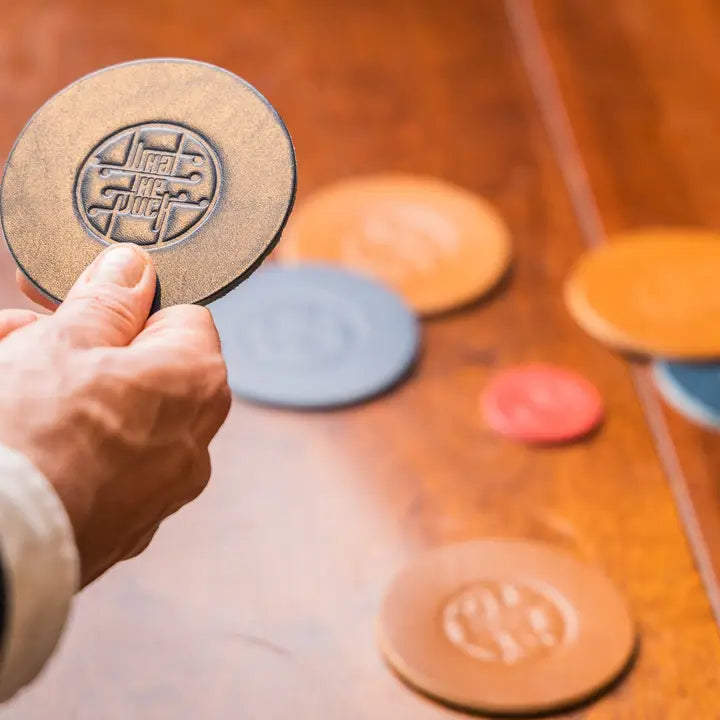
505	622
152	184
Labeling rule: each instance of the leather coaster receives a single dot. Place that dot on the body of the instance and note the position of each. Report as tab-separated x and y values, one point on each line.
438	245
651	292
314	336
505	627
180	157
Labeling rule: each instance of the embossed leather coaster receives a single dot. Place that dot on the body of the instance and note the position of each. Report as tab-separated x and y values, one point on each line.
440	246
181	157
505	626
313	336
540	403
653	292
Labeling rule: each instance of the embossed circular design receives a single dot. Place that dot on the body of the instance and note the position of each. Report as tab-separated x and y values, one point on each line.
314	336
438	245
505	626
304	334
505	621
398	240
153	184
180	157
651	291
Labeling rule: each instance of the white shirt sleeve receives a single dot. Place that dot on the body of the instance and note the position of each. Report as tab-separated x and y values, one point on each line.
40	566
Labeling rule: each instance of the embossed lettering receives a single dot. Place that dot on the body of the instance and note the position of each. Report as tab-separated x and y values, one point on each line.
151	184
506	622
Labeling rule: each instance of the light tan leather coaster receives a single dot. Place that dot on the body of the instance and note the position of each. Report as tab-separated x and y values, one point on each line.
180	157
505	626
438	245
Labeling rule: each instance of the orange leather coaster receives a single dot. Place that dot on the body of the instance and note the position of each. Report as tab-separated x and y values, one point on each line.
653	292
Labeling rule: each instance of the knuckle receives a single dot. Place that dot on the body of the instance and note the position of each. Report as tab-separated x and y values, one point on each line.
219	372
201	471
202	321
206	371
218	381
190	315
224	402
188	329
198	313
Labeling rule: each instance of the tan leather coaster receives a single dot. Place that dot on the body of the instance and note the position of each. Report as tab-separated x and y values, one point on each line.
505	626
180	157
651	291
439	246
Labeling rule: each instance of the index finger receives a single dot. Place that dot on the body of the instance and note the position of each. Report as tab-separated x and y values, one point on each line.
32	293
180	326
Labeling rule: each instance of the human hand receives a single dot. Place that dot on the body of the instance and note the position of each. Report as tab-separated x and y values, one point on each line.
116	410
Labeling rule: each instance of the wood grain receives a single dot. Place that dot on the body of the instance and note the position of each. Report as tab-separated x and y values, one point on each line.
259	600
651	156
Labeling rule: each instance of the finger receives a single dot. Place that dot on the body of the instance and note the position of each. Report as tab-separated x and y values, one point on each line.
187	334
32	293
110	302
188	326
11	320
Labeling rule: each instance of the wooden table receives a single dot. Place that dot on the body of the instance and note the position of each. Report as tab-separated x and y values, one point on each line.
576	118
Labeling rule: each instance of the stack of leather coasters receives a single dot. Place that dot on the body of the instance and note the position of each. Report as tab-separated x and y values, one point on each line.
654	292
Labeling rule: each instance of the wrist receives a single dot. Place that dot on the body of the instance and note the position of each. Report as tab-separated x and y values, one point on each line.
41	566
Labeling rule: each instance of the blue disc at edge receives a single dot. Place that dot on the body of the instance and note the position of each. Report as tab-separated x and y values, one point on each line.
693	389
314	336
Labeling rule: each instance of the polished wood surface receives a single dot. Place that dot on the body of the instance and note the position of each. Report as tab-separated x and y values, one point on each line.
259	600
636	80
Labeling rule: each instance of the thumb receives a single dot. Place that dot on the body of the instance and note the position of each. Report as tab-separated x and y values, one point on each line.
110	302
